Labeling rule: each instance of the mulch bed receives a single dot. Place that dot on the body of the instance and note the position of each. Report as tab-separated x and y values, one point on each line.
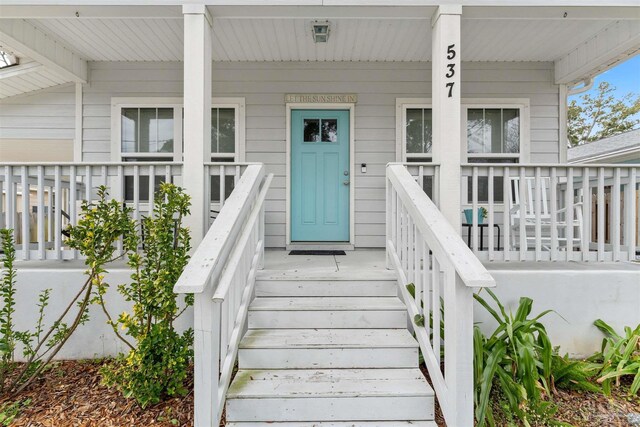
70	394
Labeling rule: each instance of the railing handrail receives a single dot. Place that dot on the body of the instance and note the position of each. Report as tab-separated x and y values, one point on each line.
439	233
209	258
551	165
148	163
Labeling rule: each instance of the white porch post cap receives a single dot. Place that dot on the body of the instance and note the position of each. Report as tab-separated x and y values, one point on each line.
197	9
446	9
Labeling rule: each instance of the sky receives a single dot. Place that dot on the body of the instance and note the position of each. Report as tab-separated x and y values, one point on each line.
625	77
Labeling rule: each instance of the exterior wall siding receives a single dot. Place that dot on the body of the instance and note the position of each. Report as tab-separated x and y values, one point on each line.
264	85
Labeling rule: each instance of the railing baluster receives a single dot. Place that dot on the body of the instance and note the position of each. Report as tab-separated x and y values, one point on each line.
11	199
427	285
538	214
491	213
223	176
615	215
40	213
506	217
522	225
58	213
136	194
152	189
586	215
630	220
474	210
436	280
2	214
601	210
553	202
569	214
207	197
26	195
89	179
420	267
410	250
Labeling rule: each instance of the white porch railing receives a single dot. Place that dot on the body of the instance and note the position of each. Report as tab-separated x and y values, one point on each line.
424	249
38	201
427	176
221	274
553	212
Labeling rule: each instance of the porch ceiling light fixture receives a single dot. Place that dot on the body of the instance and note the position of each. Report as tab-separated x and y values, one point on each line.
320	31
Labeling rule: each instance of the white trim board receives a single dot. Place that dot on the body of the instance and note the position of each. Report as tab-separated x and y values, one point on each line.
352	182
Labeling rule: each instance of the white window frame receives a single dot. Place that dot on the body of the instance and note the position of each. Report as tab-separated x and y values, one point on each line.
402	104
117	104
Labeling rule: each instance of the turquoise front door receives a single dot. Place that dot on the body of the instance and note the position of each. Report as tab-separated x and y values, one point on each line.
320	176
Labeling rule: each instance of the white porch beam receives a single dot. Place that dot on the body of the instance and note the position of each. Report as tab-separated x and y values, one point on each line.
84	12
197	115
20	36
445	77
21	69
614	44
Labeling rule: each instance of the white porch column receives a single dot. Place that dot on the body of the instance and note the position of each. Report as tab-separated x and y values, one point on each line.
197	114
445	76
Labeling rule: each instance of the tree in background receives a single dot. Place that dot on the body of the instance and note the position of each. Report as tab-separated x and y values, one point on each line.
602	115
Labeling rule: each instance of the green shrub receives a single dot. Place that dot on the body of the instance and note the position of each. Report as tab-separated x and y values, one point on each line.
618	357
519	358
159	357
10	410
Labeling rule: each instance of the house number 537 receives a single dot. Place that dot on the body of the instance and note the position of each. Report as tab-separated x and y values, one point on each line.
451	53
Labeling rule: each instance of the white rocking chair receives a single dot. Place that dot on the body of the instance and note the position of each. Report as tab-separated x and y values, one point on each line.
517	208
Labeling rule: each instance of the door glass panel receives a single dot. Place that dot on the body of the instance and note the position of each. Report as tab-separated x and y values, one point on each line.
329	130
311	130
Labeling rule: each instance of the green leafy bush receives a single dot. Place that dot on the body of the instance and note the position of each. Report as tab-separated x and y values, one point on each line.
10	410
519	358
159	357
619	357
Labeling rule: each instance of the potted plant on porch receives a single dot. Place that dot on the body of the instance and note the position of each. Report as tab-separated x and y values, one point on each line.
468	215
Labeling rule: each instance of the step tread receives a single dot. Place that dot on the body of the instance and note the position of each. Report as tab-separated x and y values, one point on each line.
326	303
301	275
327	338
328	383
336	424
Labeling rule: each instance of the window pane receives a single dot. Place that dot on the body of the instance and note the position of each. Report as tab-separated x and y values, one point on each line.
148	131
427	127
493	130
223	130
418	130
329	130
129	129
311	130
475	127
511	130
165	130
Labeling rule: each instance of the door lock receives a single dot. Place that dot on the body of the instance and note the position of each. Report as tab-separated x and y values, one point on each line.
346	182
346	173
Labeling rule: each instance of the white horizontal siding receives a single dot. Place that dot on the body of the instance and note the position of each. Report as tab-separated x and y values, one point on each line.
264	85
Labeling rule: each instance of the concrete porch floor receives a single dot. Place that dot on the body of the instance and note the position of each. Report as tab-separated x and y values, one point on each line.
374	259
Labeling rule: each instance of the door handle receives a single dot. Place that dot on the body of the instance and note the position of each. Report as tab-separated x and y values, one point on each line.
346	182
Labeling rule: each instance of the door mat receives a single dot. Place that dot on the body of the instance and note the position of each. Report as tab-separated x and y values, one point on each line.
316	252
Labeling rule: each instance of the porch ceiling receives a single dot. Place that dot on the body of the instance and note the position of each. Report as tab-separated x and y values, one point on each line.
138	33
289	39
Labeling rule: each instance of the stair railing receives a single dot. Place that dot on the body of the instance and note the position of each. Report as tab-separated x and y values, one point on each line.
425	250
221	275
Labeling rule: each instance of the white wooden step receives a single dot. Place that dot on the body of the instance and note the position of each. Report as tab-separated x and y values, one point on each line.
325	288
338	424
330	395
327	312
327	348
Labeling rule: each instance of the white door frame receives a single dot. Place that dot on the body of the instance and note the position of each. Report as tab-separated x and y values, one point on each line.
352	178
